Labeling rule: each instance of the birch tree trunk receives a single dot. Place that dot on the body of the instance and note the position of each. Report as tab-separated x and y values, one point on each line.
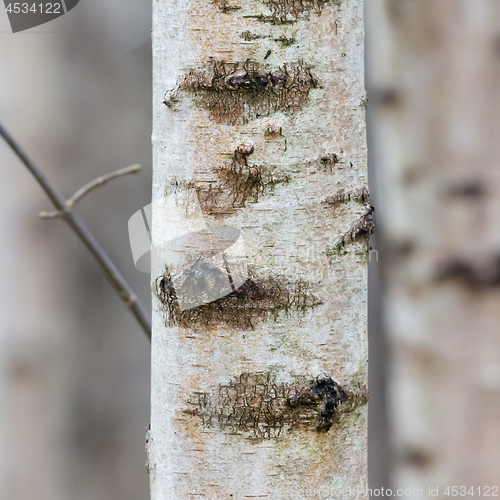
436	115
261	228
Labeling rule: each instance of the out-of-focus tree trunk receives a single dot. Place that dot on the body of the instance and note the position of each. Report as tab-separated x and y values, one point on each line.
259	126
436	98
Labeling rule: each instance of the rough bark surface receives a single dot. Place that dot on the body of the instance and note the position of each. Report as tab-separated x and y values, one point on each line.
435	78
259	109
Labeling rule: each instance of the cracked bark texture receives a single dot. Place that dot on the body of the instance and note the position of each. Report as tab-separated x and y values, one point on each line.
259	108
435	73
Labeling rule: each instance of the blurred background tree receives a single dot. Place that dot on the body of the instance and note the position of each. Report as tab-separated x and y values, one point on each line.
434	123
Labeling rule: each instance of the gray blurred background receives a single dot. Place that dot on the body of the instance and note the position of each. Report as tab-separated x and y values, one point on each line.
74	380
74	365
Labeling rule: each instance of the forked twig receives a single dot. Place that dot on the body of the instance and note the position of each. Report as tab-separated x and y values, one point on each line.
85	190
112	274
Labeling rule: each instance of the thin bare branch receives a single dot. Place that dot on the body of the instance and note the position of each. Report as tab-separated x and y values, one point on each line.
85	190
112	274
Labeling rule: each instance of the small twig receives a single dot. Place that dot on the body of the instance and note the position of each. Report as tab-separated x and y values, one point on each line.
85	190
116	280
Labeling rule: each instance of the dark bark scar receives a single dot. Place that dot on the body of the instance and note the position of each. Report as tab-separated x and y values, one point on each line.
237	93
360	231
256	407
256	300
291	11
237	184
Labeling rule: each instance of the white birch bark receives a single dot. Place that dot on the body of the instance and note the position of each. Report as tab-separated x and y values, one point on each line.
435	78
262	393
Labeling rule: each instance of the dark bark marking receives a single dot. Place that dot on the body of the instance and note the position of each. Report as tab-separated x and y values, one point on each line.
342	197
150	462
273	129
225	6
329	160
471	190
283	41
237	93
417	457
255	300
238	183
248	36
361	231
255	406
473	274
389	97
290	11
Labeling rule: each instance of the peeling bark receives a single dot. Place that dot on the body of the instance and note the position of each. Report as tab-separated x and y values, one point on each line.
259	115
